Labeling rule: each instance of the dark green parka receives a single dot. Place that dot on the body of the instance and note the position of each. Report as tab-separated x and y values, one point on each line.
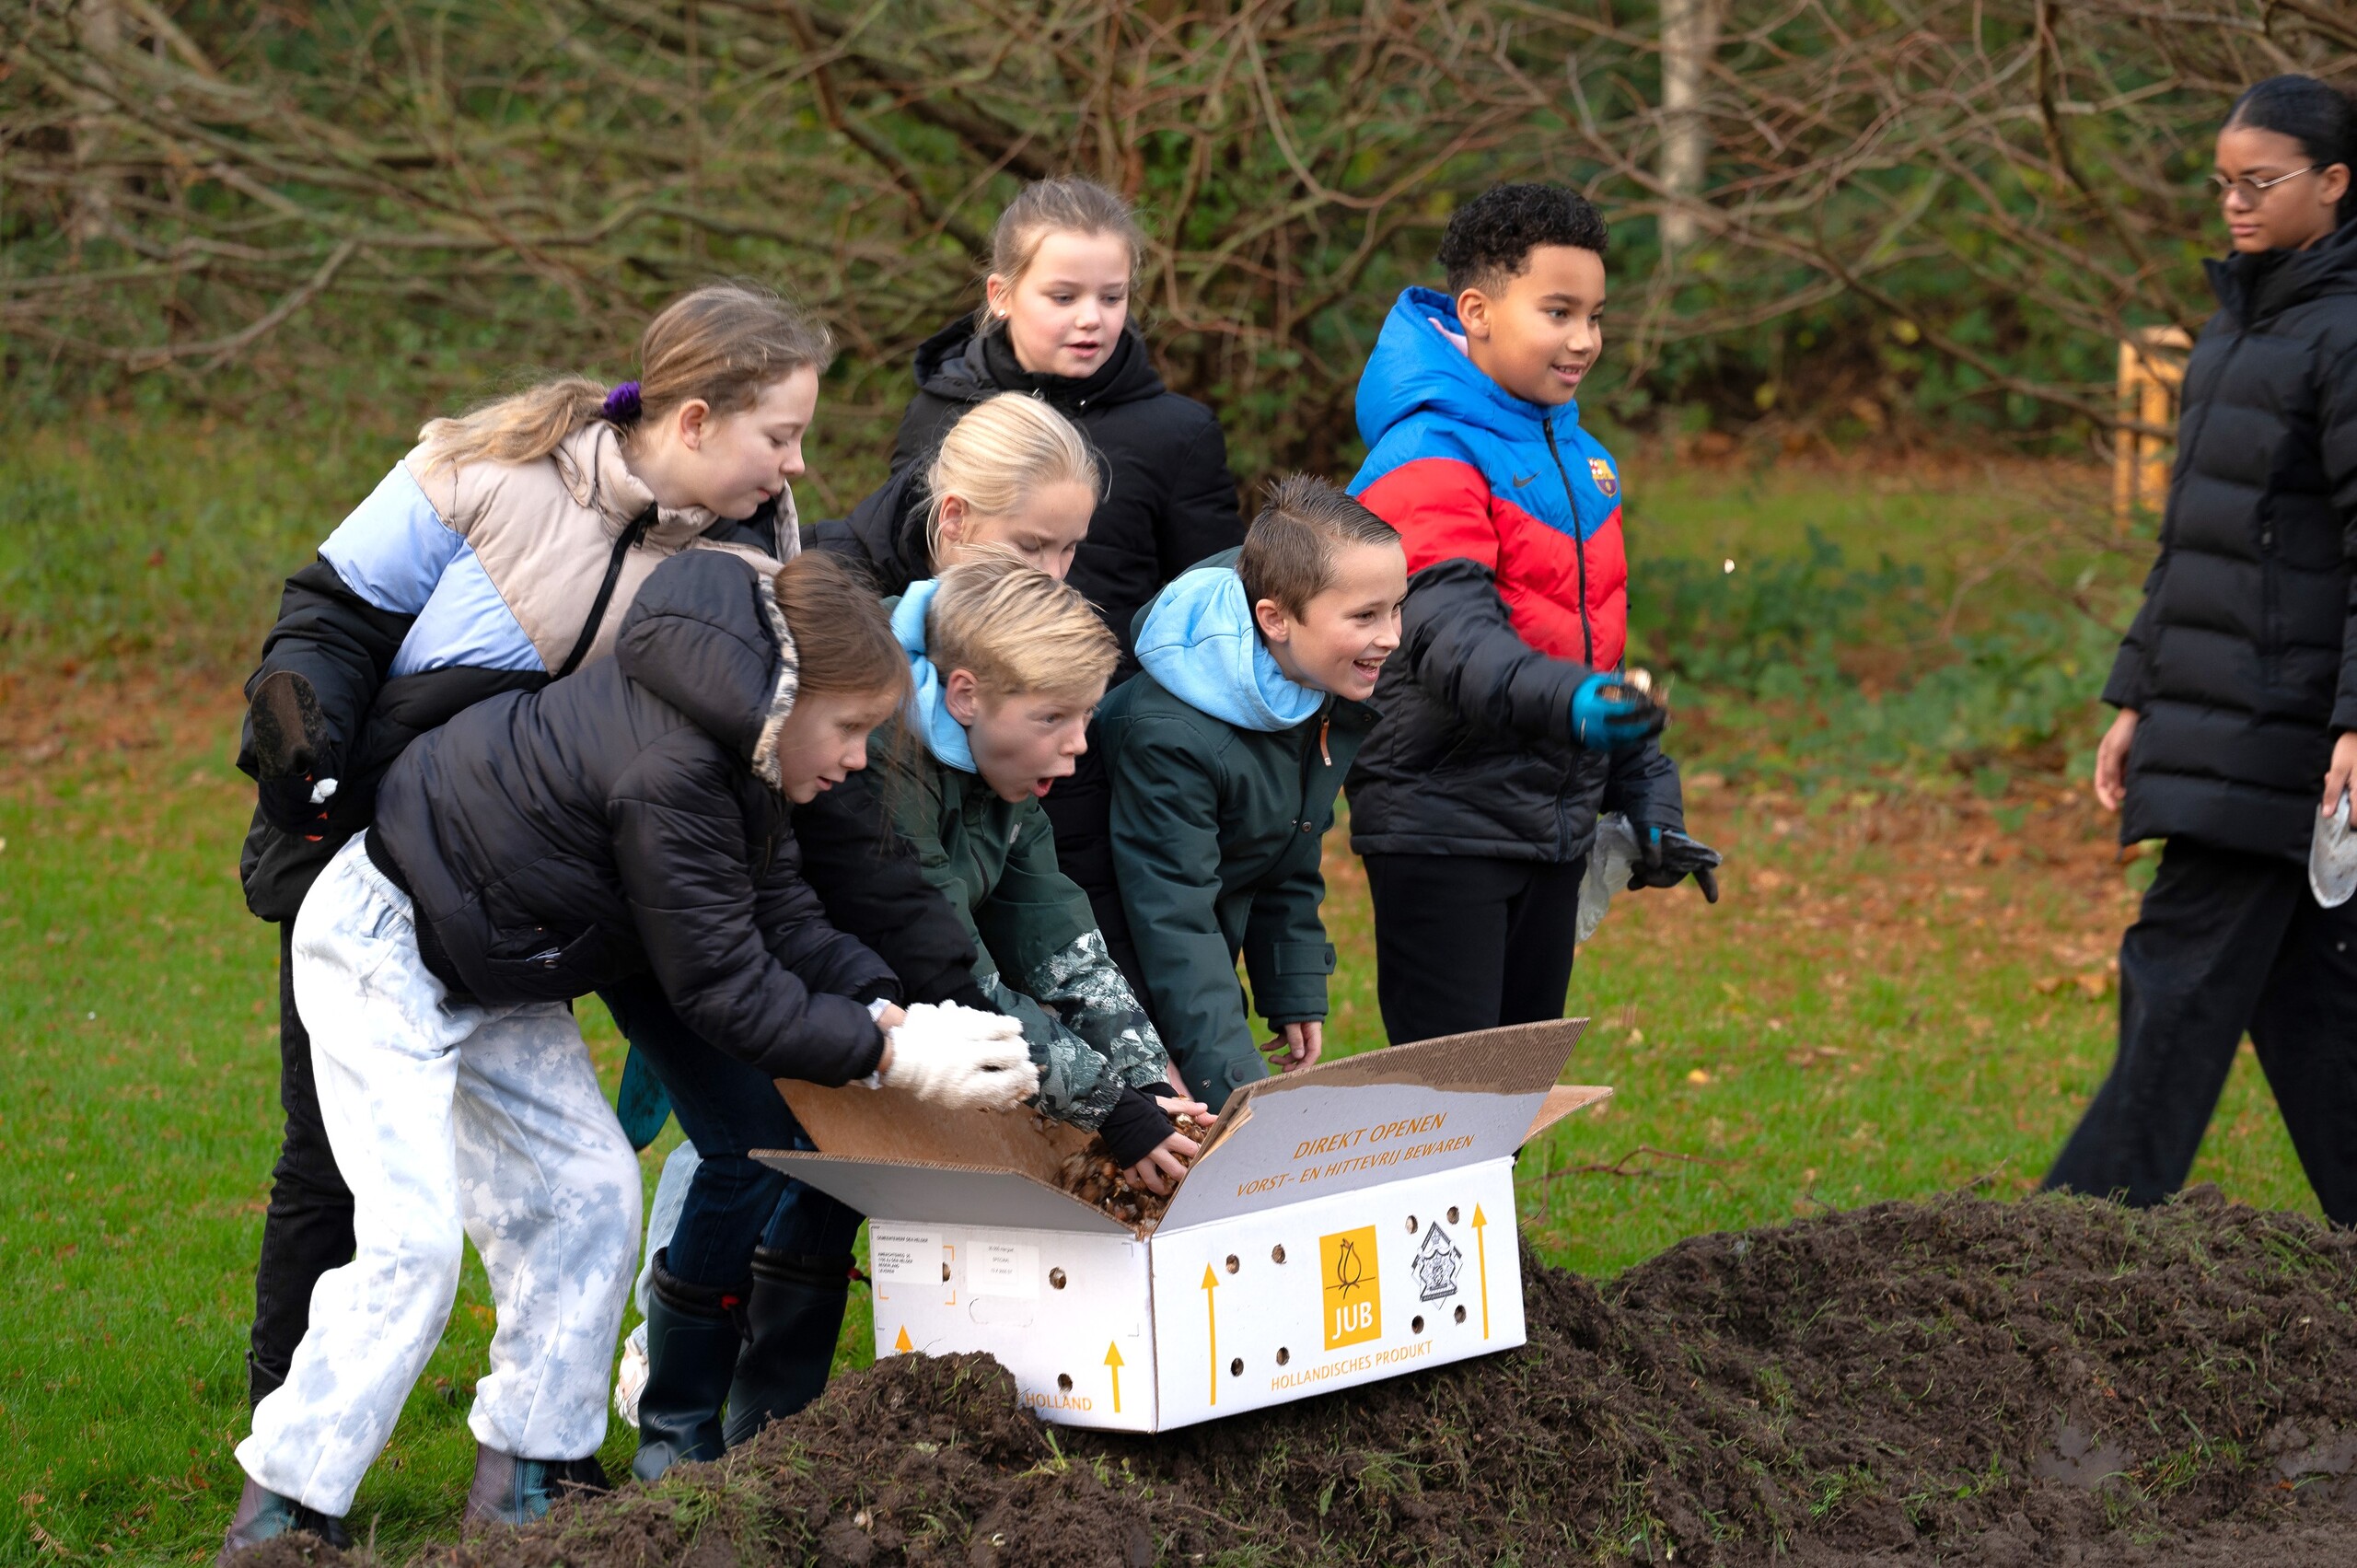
1040	958
1225	775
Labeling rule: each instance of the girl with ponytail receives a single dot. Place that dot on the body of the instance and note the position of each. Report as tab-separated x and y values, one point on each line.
502	553
2236	687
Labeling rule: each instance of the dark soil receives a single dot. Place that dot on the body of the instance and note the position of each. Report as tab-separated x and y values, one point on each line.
1966	1381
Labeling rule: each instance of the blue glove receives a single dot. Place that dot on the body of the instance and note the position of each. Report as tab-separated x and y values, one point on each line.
1609	714
1666	858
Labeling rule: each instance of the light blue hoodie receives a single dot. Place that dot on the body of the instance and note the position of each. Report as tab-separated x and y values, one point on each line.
1198	640
944	736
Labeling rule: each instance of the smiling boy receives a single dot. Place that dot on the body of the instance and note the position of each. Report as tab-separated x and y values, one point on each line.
1226	754
1505	728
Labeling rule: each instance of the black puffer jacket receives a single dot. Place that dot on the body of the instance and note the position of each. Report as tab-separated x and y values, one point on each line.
344	645
617	821
2241	663
1473	754
1169	499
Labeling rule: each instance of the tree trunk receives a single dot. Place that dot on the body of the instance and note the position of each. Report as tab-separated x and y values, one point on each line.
1690	30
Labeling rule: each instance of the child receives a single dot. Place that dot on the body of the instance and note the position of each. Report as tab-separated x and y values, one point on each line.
1008	664
1014	474
1011	472
1503	728
1055	324
1225	756
502	553
631	819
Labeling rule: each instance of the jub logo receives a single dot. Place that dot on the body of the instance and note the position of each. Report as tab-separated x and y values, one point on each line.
1353	1286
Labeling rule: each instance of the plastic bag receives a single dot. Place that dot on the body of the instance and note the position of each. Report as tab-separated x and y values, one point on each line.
2332	859
1608	864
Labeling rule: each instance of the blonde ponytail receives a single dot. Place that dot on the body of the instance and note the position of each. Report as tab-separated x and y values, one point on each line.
723	343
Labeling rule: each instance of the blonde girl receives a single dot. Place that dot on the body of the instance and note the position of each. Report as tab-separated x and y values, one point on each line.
501	552
1056	322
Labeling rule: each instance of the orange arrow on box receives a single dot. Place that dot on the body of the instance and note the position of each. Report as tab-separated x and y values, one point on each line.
903	1344
1210	1313
1482	1251
1113	1360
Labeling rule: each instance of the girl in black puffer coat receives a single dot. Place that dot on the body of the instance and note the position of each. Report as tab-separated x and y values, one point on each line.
2236	687
1055	324
633	818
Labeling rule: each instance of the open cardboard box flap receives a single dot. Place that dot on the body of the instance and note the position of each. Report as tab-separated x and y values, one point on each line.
1343	1124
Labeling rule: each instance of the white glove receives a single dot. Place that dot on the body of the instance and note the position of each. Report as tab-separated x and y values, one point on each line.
630	1377
962	1057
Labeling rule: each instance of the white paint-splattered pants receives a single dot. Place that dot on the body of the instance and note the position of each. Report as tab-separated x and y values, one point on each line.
446	1116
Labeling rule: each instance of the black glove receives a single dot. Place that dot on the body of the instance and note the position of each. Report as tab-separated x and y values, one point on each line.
287	806
1134	1128
1666	858
290	749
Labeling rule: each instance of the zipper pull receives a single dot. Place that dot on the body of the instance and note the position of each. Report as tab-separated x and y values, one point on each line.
1323	725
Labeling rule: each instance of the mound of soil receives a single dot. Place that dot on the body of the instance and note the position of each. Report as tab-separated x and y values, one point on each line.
1962	1381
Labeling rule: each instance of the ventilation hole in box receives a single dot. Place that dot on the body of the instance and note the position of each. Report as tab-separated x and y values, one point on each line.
1233	1264
1056	1278
1283	1355
945	1274
1063	1381
1235	1367
1277	1253
1412	1225
1416	1324
1452	1213
1461	1315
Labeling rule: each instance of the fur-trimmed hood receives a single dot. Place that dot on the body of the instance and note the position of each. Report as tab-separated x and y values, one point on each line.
706	635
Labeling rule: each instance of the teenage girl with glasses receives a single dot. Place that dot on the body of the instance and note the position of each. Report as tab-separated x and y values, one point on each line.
2236	687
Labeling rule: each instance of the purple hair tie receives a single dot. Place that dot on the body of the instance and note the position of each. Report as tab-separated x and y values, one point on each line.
621	404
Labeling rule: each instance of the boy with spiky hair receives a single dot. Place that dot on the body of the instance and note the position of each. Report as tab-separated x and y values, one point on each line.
1226	754
1506	725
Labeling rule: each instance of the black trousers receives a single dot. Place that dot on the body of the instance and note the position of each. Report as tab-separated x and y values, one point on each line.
1463	943
307	1230
2225	944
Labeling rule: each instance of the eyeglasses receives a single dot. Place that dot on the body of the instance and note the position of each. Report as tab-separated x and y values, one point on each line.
2252	190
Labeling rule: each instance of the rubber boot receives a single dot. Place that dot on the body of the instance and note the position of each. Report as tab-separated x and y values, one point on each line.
262	1515
509	1491
794	1318
693	1340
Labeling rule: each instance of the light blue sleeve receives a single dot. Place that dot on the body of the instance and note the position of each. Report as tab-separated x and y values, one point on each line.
394	547
465	621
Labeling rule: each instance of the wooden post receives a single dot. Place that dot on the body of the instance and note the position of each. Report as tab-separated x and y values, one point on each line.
2152	368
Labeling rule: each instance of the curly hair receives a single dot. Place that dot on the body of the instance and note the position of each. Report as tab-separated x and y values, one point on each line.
1491	238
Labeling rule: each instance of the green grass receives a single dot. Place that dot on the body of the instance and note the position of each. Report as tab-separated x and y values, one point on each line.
1864	1008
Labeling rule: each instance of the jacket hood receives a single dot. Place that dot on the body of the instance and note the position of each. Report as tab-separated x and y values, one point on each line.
944	737
957	364
706	635
1418	364
1197	639
2255	285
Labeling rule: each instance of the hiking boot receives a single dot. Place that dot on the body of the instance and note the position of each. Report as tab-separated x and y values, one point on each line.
692	1343
509	1491
262	1515
795	1316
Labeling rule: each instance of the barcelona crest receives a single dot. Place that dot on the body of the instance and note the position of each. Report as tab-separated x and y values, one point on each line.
1606	480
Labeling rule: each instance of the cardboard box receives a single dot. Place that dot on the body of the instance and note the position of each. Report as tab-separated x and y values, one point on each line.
1344	1224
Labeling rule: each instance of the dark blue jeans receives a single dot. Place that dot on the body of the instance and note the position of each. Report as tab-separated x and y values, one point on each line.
727	1109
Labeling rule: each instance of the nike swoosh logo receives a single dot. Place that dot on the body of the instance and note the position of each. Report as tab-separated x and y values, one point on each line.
1524	479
